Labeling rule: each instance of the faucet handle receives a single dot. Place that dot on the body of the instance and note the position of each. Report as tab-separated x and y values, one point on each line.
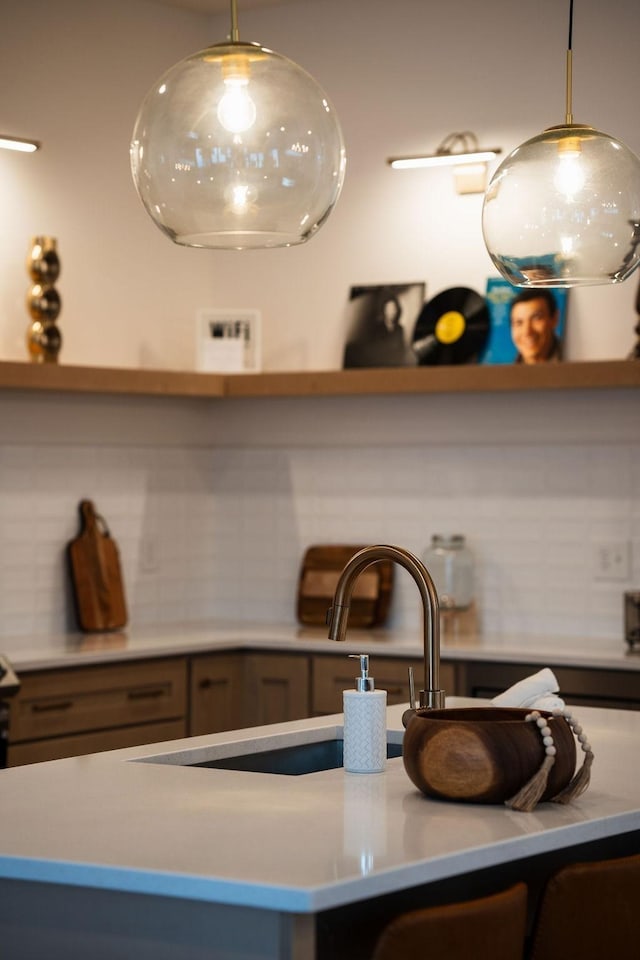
411	712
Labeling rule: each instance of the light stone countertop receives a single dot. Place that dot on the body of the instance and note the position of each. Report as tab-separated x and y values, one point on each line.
137	642
297	844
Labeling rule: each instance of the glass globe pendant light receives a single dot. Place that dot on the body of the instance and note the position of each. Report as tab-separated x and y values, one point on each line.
237	147
563	209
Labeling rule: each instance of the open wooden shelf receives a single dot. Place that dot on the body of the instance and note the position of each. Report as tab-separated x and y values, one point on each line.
599	374
470	378
111	380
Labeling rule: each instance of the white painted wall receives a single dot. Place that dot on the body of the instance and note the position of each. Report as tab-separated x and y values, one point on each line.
73	75
402	75
229	494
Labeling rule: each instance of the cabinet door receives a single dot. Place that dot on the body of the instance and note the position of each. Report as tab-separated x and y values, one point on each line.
276	688
217	691
332	675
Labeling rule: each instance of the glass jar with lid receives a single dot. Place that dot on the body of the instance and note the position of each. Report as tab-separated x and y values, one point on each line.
451	565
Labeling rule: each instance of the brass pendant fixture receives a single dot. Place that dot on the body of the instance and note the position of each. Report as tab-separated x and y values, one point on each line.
237	147
563	209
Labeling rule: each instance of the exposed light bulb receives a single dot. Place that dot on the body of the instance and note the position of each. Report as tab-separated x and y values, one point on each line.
236	110
566	246
570	176
241	198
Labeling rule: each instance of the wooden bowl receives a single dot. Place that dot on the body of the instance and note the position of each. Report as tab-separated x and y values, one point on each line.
483	754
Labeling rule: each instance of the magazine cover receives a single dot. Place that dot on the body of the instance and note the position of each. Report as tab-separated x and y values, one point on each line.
527	324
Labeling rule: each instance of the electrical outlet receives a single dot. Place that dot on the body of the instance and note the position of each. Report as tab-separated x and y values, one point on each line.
611	560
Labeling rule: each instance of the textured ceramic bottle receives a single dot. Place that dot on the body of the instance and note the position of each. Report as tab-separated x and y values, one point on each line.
365	723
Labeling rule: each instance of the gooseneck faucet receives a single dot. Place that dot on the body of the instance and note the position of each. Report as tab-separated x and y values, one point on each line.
432	695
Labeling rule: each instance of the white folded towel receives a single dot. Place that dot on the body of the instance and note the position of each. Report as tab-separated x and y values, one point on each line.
537	691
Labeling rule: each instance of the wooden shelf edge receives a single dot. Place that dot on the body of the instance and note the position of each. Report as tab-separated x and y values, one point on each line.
109	380
600	374
597	374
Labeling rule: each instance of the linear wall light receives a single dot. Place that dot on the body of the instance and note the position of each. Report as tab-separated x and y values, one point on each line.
461	151
17	143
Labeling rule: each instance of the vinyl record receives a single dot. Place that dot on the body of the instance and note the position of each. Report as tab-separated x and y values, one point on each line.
452	328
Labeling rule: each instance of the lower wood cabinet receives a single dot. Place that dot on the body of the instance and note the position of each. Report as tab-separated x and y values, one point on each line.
35	751
276	687
332	675
216	693
68	712
231	691
579	686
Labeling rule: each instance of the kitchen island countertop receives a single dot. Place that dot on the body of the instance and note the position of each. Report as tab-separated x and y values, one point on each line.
140	821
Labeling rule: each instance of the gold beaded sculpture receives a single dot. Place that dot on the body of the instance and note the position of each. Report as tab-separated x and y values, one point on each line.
44	339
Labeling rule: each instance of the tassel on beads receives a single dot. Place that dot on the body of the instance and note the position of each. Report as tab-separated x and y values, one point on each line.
579	783
582	778
527	797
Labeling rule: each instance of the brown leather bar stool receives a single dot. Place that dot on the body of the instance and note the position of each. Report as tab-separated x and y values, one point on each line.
489	928
590	911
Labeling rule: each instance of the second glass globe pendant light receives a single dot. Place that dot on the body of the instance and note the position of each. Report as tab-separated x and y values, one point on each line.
237	147
563	209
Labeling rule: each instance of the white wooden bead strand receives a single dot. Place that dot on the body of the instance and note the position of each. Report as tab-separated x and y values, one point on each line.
527	798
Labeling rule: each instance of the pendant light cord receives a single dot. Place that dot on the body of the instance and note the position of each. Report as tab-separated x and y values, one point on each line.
235	36
569	108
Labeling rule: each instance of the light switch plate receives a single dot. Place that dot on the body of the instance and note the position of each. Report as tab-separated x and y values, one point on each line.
611	560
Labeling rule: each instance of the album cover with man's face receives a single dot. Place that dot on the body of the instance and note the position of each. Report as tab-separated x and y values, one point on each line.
527	324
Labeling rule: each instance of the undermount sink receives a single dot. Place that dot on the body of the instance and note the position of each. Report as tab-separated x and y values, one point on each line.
291	760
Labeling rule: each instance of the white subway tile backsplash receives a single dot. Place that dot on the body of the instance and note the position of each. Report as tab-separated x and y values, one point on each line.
226	528
617	528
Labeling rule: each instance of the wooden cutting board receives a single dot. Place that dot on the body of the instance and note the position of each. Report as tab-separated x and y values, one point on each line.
319	574
96	578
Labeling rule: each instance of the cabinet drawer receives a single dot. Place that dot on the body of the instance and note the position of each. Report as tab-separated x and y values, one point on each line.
59	702
76	746
332	675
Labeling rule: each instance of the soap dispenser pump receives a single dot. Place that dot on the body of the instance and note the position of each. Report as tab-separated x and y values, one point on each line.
365	727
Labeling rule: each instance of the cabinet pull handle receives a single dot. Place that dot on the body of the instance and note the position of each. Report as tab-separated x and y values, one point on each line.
205	684
145	694
51	707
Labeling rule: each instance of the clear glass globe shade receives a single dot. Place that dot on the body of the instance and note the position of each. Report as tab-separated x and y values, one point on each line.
563	210
237	147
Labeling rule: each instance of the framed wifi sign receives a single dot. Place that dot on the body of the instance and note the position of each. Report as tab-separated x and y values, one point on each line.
228	341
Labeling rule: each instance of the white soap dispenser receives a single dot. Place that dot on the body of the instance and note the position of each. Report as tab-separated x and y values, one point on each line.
365	723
